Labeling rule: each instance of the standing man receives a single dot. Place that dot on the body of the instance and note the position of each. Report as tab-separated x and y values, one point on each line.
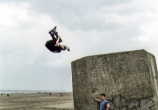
104	104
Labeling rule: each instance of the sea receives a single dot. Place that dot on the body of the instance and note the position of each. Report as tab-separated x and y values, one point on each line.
26	91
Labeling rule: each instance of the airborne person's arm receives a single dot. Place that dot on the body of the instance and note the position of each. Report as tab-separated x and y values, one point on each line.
57	42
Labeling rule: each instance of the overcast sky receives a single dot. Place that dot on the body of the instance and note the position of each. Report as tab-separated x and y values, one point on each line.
89	27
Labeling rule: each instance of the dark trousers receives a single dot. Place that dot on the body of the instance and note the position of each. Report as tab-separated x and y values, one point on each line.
53	37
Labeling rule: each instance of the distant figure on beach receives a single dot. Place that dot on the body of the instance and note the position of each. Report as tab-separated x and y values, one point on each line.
61	94
1	94
8	95
50	93
54	44
104	104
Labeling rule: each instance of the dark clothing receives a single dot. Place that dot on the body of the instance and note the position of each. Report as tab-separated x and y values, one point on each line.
53	37
103	104
51	44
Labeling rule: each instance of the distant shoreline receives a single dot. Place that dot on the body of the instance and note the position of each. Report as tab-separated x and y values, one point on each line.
31	91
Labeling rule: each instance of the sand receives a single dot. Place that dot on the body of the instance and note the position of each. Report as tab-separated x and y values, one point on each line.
36	101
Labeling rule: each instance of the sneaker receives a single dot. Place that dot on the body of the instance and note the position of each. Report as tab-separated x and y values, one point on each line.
53	30
68	48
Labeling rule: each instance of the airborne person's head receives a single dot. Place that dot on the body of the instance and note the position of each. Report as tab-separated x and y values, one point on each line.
64	47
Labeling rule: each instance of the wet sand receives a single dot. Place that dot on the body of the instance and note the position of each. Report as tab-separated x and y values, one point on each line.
37	101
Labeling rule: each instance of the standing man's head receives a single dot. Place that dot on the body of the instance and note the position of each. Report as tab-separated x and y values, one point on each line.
102	96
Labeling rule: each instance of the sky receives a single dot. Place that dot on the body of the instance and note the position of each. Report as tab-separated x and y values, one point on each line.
89	27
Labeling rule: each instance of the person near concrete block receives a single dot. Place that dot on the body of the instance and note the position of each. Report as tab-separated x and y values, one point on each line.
104	104
54	44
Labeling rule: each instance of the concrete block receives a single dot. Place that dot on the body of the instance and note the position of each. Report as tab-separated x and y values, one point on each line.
129	79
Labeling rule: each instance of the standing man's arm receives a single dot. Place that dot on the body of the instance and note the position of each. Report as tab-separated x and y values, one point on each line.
98	100
108	107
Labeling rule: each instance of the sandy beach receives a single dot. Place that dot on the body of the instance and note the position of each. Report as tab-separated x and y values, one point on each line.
36	101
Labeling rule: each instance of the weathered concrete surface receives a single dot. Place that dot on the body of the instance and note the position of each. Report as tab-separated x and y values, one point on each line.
129	79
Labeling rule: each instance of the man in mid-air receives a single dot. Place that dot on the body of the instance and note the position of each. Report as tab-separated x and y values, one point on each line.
54	44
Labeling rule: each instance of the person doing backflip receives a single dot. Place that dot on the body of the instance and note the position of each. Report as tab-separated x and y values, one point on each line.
54	44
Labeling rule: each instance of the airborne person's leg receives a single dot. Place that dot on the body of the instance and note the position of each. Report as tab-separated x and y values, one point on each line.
52	35
56	34
51	32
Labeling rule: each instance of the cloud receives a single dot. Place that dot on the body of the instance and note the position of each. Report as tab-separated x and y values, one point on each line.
88	27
